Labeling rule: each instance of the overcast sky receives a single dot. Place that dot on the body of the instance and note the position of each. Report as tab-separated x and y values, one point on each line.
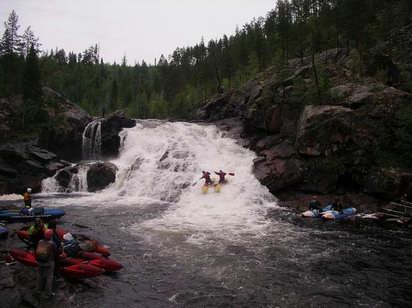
141	29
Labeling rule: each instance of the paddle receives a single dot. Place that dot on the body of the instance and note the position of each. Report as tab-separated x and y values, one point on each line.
195	183
232	174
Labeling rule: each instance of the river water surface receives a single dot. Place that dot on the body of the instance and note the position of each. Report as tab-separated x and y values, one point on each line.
235	248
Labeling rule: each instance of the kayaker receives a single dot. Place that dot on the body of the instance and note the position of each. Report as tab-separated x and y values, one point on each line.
36	232
337	205
45	254
314	204
27	198
221	175
206	176
71	246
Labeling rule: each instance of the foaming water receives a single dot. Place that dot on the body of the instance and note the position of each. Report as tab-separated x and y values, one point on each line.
160	162
235	248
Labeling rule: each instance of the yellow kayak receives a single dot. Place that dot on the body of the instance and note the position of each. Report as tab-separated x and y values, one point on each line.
218	188
205	189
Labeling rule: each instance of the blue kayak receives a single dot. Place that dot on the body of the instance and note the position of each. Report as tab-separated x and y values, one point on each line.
3	232
335	215
17	216
316	213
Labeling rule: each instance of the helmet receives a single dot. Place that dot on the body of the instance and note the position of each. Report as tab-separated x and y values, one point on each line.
29	190
203	171
68	237
220	170
48	234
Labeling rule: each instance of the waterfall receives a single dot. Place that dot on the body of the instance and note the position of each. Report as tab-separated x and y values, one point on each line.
92	140
162	162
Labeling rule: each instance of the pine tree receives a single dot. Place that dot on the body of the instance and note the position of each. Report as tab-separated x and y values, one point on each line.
31	77
27	40
32	112
11	40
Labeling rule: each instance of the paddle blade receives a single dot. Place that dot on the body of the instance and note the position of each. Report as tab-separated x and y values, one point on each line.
232	174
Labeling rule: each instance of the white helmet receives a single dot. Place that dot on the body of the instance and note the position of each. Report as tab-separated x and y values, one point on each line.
29	190
68	237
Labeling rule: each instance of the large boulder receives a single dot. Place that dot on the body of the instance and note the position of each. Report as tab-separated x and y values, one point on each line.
110	129
25	165
389	183
223	106
323	130
64	138
100	175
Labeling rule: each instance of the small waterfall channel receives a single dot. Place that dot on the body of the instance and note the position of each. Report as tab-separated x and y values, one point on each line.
76	175
92	140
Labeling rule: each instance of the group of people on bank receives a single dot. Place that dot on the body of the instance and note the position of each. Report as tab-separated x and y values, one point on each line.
49	250
336	205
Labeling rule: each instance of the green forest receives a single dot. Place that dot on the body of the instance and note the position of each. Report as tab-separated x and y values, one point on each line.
177	83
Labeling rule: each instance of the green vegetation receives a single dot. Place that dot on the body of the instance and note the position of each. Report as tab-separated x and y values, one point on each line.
175	85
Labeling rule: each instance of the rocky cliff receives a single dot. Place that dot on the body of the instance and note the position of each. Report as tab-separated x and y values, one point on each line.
343	139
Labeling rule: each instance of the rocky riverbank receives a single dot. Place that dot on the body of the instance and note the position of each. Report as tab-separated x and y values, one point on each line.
343	146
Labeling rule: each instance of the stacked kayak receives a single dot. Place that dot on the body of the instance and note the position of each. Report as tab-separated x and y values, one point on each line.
93	245
16	216
329	214
316	213
335	215
85	266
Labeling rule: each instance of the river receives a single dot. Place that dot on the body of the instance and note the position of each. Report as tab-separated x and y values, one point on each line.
235	248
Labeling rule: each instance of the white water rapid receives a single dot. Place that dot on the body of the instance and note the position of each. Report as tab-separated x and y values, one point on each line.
159	162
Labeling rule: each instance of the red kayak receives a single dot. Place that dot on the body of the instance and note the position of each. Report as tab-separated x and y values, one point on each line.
81	271
71	271
95	246
95	260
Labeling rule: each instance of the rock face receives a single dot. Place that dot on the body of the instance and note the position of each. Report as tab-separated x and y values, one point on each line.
110	129
332	146
66	139
25	165
100	175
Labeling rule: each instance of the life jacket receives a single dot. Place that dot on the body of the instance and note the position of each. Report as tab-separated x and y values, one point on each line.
26	196
44	251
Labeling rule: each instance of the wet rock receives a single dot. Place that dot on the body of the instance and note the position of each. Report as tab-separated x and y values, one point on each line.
100	175
110	129
63	178
24	165
282	150
279	174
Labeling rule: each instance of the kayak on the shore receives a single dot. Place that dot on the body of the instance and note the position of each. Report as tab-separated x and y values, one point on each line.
3	231
335	215
316	213
44	214
84	266
328	214
90	245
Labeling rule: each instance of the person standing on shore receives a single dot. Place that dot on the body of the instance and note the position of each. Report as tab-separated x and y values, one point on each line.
27	199
45	253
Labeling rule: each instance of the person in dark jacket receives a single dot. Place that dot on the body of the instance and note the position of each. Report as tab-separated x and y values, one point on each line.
314	204
52	225
337	205
206	176
221	175
45	254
